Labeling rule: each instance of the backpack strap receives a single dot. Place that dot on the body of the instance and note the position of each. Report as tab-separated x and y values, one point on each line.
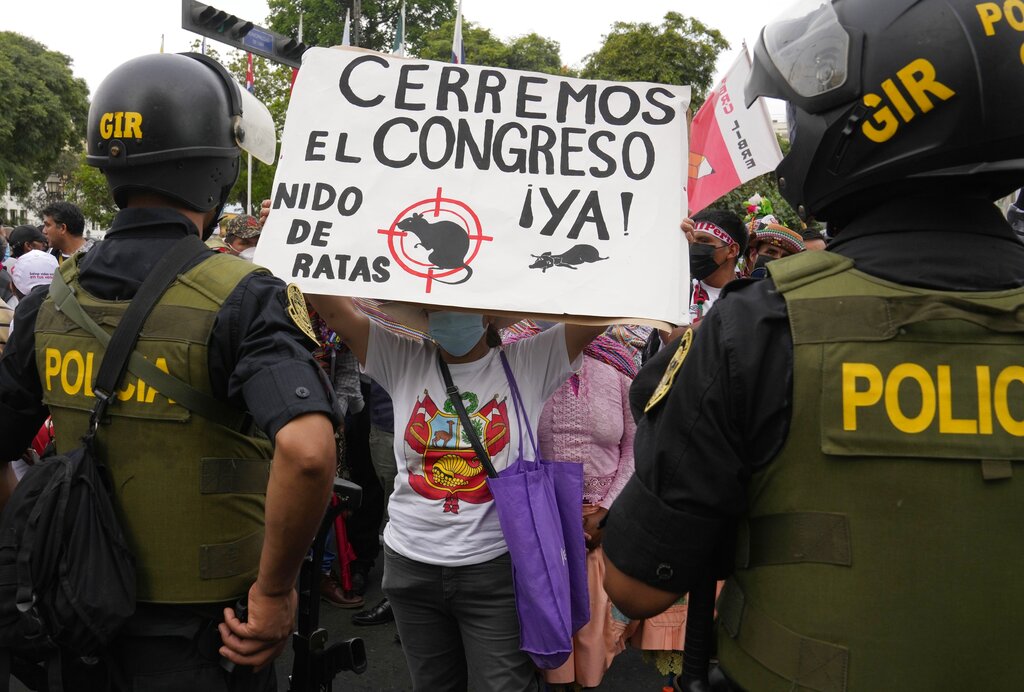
120	351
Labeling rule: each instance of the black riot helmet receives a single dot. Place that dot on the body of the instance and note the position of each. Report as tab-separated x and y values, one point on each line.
175	124
894	97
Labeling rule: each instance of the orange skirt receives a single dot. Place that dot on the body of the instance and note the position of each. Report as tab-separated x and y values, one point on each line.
597	642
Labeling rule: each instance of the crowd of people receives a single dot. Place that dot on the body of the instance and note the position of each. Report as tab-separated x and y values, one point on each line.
798	462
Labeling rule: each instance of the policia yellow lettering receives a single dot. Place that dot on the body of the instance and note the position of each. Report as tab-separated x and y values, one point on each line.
864	386
1011	11
72	371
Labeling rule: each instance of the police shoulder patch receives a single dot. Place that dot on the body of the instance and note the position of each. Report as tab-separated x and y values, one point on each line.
670	372
299	313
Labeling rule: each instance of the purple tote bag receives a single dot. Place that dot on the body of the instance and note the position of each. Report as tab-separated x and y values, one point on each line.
546	544
567	481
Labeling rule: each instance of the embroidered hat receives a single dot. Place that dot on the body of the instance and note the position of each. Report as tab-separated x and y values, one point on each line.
773	233
243	226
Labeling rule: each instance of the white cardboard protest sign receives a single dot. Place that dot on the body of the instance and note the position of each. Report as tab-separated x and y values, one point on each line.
481	188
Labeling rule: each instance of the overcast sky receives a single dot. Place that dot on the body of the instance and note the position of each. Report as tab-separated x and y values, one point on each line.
101	34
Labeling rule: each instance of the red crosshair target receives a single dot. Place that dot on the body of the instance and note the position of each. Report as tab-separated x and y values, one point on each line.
437	208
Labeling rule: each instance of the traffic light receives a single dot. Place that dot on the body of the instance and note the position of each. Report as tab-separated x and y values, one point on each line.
238	33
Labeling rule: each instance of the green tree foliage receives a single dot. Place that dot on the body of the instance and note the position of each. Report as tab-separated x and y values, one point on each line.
535	53
87	187
680	51
271	85
323	21
530	52
43	110
482	47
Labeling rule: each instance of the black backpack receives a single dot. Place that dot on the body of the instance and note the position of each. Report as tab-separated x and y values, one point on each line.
67	577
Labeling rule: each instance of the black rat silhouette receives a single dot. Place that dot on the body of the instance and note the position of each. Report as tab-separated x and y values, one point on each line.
577	254
447	241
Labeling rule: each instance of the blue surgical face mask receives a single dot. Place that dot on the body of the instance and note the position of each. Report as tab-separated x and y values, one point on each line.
455	332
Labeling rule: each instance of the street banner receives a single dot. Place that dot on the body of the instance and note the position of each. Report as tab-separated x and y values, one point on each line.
730	143
481	188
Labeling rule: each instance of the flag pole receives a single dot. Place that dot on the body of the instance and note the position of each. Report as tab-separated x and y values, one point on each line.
248	186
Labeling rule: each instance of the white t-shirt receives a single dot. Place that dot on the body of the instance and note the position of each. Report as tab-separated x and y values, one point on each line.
702	297
441	511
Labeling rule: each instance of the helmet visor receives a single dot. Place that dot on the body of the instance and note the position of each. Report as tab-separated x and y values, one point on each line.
254	129
810	48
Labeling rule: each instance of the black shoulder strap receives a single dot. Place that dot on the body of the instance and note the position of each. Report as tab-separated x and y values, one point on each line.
455	397
124	338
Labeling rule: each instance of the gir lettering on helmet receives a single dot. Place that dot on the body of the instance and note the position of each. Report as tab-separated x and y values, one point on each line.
920	83
1011	12
72	372
121	124
865	386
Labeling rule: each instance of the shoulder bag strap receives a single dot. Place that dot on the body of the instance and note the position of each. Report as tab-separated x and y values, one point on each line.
455	397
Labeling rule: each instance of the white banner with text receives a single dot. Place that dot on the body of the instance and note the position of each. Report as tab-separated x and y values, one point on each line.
481	188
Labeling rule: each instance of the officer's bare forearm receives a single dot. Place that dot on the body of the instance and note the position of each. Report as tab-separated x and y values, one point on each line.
348	321
300	484
632	596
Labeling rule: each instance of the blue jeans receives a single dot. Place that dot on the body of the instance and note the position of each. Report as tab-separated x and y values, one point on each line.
458	625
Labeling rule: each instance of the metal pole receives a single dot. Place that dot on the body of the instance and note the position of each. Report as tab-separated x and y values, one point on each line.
248	187
357	15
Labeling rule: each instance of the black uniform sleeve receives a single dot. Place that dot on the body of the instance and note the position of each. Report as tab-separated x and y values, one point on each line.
726	414
261	360
21	393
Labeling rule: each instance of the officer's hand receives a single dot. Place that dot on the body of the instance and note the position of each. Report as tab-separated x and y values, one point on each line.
264	211
264	635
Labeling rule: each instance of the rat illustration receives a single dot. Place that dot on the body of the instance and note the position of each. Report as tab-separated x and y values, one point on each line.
447	241
577	254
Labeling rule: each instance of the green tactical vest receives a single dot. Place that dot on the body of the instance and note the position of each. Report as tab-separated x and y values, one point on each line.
886	541
189	492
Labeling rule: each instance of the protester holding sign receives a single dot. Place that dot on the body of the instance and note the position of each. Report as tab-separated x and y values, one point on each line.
447	572
483	190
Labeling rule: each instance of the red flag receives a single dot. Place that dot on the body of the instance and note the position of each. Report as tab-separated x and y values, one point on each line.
250	80
729	143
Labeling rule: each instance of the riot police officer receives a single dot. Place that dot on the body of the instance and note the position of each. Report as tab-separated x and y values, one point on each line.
209	518
839	439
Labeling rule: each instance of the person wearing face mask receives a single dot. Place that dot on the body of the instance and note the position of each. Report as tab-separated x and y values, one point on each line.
769	241
447	571
242	235
717	243
717	240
